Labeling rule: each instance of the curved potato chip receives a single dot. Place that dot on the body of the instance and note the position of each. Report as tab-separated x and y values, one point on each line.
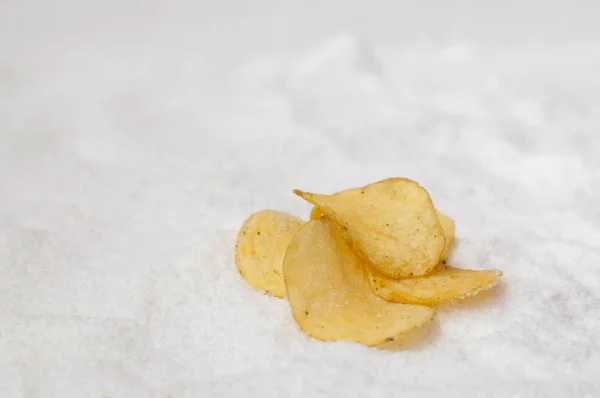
329	293
260	249
448	227
392	224
446	222
443	284
316	213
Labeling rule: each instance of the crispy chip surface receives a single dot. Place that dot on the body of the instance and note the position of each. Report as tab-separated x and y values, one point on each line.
316	213
329	293
448	227
446	222
443	284
392	224
260	249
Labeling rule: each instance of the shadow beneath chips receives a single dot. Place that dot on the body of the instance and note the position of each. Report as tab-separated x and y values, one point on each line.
423	337
415	340
484	299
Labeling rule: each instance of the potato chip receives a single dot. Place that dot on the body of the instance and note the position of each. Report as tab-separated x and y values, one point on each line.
448	227
443	284
392	224
446	222
329	292
316	213
260	249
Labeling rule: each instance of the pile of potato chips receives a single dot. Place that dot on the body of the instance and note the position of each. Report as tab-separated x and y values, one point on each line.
367	267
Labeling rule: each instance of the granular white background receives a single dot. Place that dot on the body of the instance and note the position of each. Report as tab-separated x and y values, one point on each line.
135	137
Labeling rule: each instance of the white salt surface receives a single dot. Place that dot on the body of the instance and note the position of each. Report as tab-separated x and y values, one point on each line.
130	156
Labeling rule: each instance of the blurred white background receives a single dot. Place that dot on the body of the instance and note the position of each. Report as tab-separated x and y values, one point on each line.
232	29
135	137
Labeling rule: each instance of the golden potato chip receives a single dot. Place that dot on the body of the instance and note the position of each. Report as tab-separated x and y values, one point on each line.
446	222
260	249
329	293
448	227
392	224
443	284
316	213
